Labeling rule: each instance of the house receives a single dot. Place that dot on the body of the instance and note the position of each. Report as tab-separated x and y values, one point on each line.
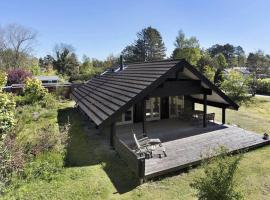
158	99
48	79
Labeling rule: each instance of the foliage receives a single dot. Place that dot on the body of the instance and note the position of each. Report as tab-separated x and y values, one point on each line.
3	80
191	55
258	65
236	86
209	72
66	61
149	46
18	76
11	160
187	48
35	70
219	179
221	65
16	46
34	91
263	86
234	55
7	107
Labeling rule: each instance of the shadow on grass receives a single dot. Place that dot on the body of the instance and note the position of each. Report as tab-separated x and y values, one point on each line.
86	147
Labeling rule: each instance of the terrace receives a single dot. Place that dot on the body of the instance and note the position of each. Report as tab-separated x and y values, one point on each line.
186	144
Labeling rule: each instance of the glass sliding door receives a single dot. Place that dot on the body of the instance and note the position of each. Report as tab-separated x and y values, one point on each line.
152	108
176	106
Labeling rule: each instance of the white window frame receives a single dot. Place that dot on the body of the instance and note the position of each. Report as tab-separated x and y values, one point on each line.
151	101
122	122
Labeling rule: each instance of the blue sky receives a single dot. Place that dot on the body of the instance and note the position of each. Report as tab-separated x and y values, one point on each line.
98	28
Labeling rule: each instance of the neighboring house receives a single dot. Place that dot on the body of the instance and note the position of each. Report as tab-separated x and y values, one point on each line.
158	99
48	79
242	70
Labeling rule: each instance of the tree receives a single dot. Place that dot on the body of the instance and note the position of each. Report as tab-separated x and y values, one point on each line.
65	61
186	48
3	80
257	63
236	86
86	66
46	62
219	178
221	64
235	56
149	46
16	44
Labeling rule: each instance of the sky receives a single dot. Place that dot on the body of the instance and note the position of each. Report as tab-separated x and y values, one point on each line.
98	28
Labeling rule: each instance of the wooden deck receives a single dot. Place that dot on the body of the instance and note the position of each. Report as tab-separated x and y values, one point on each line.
186	145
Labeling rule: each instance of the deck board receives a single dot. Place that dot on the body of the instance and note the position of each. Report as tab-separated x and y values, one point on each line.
188	151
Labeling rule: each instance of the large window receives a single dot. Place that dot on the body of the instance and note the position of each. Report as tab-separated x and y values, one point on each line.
126	117
176	105
152	108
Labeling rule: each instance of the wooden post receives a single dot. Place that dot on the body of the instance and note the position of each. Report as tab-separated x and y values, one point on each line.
223	115
112	134
192	106
141	173
204	110
143	118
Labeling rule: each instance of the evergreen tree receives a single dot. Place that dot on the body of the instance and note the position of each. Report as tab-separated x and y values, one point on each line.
149	46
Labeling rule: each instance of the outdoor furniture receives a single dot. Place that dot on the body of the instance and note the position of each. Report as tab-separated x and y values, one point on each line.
142	150
147	146
210	117
160	150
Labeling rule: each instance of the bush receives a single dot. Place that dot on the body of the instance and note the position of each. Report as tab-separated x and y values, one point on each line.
12	160
3	80
263	86
218	181
34	91
45	166
81	77
18	76
236	86
7	107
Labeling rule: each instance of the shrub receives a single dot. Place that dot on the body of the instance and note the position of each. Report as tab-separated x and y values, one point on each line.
34	91
45	166
7	107
236	86
3	80
263	85
17	76
218	181
12	160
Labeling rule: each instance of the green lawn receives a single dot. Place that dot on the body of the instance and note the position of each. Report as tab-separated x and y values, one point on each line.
95	172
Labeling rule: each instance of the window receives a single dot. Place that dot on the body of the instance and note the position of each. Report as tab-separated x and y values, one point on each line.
152	108
176	105
125	118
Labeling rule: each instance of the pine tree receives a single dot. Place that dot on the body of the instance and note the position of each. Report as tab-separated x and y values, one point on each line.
149	46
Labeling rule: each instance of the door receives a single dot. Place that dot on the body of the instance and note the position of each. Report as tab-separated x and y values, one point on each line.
164	110
152	109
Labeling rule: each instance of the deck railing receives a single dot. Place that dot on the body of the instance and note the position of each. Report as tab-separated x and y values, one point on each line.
135	163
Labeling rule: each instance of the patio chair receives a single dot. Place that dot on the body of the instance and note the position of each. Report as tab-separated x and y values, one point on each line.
142	150
210	117
149	145
145	141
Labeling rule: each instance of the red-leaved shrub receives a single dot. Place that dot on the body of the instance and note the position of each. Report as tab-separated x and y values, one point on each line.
17	76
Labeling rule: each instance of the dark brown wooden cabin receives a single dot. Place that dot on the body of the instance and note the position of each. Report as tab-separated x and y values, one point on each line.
153	98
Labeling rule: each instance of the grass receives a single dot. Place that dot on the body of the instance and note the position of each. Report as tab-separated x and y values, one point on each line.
94	171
